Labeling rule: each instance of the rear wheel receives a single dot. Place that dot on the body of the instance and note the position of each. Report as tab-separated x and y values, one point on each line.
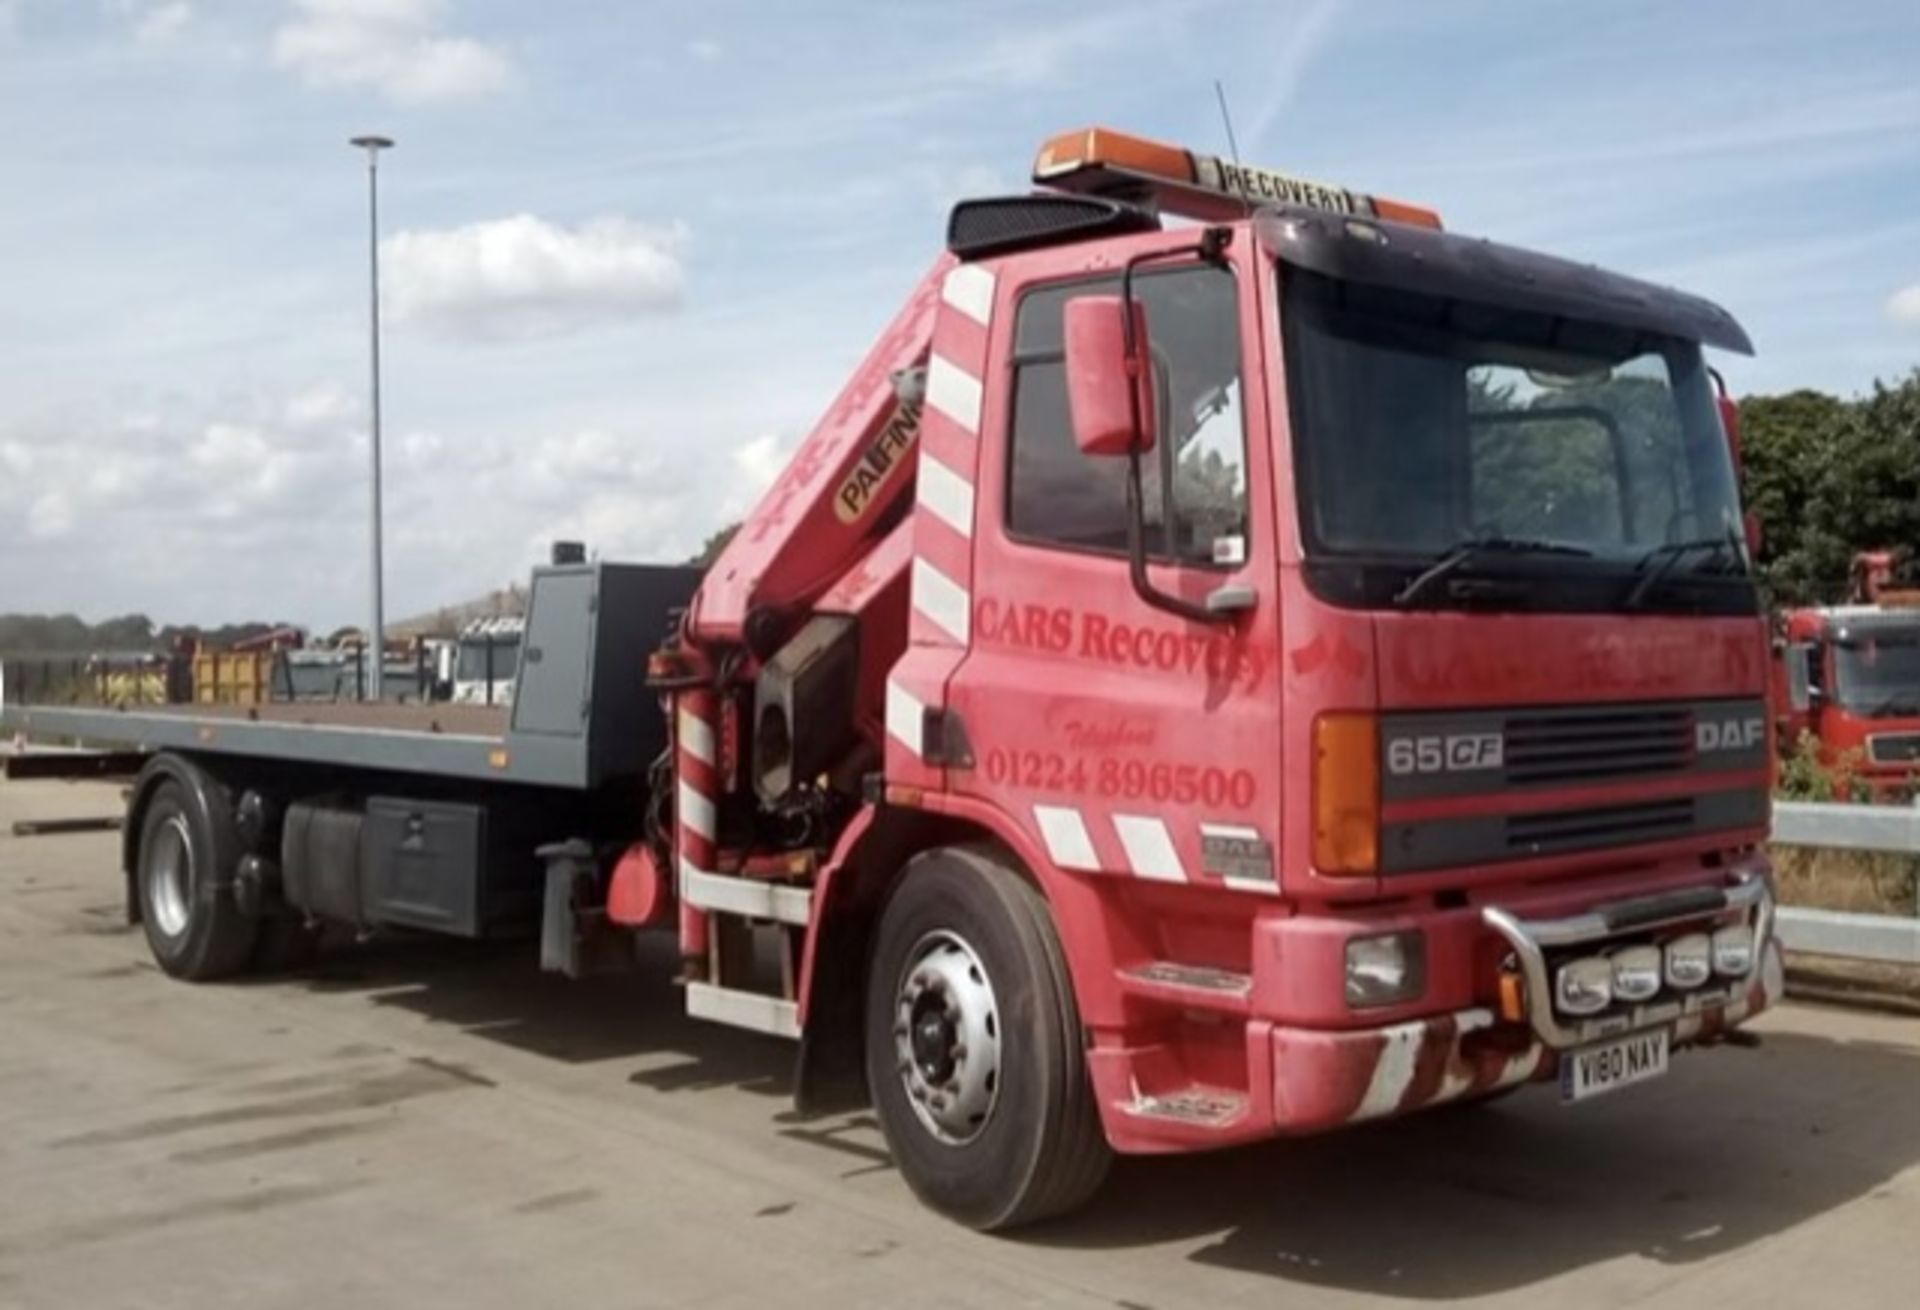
975	1056
193	927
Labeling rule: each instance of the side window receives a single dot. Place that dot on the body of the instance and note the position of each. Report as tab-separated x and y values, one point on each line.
1194	481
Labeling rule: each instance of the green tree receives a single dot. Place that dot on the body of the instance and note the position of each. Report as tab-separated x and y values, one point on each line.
1787	442
1830	478
716	543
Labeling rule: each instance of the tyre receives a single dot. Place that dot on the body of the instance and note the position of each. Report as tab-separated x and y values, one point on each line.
975	1055
186	844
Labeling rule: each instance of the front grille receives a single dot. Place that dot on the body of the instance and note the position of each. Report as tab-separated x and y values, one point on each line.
1608	825
1894	748
1593	744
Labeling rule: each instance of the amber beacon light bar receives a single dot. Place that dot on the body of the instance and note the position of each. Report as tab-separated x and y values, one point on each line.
1101	161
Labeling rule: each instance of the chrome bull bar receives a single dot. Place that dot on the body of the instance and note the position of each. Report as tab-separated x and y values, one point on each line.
1530	939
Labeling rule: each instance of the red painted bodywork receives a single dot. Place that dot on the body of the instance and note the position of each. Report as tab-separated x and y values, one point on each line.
1105	738
640	892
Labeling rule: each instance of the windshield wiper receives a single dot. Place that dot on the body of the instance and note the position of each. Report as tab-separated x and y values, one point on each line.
1657	563
1461	553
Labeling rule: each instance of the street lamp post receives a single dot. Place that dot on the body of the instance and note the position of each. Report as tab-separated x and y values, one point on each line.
374	652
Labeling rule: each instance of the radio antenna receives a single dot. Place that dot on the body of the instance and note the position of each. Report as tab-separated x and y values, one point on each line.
1220	94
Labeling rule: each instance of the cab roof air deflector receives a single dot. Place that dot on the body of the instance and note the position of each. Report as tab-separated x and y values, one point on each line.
1431	262
1000	225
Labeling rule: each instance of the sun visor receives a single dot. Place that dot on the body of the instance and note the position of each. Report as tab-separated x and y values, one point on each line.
1437	263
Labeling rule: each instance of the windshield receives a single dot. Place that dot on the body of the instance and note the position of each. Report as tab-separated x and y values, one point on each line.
473	660
1587	457
1878	675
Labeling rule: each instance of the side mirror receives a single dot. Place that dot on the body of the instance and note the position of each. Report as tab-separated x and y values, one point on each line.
1730	420
1109	388
1800	688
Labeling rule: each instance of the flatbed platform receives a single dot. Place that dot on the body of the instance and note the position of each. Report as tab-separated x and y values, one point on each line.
395	716
453	741
581	714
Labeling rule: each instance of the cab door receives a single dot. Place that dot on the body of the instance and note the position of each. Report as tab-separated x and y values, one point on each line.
1128	741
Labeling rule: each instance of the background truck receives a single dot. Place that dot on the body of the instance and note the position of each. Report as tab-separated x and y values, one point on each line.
1234	660
1850	675
485	659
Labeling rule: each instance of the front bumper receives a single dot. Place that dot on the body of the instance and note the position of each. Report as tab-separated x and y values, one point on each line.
1297	1074
1326	1079
1530	939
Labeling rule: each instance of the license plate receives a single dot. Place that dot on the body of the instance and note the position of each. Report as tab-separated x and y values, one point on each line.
1609	1066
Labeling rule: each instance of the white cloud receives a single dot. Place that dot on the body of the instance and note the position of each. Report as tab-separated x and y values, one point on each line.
50	517
706	51
327	402
521	277
1903	306
397	47
1306	36
177	505
156	22
254	504
760	460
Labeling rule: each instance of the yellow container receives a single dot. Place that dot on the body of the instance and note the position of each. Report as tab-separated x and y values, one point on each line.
224	677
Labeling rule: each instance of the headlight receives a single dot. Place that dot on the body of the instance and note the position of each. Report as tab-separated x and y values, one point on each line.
1386	970
1584	986
1636	973
1733	951
1689	961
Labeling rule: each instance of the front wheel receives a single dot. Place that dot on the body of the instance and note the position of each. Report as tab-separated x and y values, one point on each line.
975	1056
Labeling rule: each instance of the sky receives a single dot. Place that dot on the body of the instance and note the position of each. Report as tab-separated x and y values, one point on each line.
631	250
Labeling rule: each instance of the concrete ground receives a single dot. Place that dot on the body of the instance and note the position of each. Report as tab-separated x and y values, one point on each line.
425	1126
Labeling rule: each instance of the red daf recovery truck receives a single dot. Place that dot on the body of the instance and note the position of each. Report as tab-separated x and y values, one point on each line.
1850	675
1235	660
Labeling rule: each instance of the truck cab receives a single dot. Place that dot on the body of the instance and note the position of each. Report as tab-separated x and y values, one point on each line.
1345	628
486	661
1851	676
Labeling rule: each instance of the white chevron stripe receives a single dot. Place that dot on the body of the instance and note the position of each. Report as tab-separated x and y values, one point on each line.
947	494
954	392
941	599
1149	847
906	717
1065	834
696	811
696	737
1393	1074
969	289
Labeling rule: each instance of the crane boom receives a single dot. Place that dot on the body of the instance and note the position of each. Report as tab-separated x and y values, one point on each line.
833	499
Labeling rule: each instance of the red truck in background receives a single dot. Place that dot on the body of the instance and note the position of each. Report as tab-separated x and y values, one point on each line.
1849	675
1236	659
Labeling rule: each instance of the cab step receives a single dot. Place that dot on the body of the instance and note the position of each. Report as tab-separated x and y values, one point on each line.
1194	1107
738	1008
1194	986
750	898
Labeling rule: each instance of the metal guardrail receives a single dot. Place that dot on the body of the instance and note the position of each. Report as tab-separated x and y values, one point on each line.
1893	829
